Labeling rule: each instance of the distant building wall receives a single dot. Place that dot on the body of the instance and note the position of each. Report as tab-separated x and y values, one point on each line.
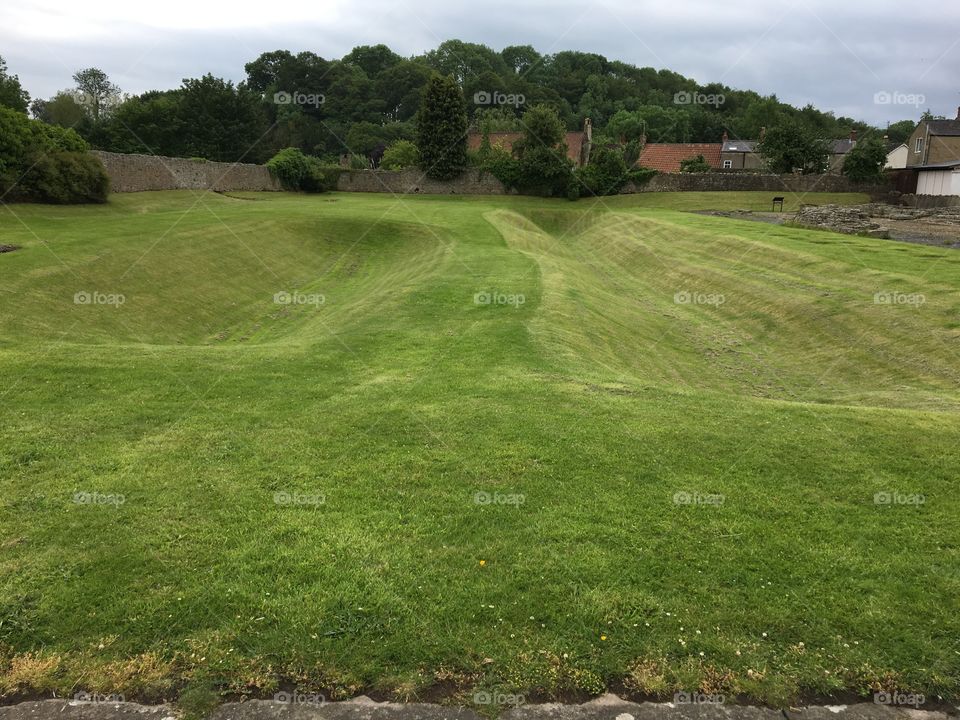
136	173
897	158
741	161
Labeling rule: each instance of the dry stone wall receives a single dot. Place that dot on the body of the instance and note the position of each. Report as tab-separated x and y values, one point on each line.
136	173
728	181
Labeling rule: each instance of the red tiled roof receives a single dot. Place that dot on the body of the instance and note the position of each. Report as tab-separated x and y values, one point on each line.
505	140
666	157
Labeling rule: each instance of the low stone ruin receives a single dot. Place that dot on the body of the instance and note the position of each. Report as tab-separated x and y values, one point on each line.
849	219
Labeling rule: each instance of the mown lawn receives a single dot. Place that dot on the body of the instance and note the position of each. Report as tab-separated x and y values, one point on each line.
673	452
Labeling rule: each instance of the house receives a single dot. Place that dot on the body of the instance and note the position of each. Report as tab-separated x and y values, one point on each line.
934	142
897	157
939	178
740	154
743	154
666	157
578	143
838	150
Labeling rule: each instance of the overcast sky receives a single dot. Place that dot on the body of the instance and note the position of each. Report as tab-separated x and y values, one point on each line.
839	55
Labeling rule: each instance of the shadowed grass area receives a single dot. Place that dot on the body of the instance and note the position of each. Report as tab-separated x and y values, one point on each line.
537	446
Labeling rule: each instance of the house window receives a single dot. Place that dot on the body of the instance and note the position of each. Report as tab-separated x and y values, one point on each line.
727	164
919	145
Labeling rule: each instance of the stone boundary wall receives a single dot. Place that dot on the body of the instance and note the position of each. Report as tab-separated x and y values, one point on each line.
136	173
729	181
474	182
413	181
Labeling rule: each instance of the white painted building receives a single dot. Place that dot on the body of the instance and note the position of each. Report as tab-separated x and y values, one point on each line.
939	179
897	158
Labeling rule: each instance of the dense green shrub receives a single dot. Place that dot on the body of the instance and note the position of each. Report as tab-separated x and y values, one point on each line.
65	177
320	178
641	175
544	168
297	171
791	147
501	164
290	167
47	162
696	164
402	154
605	175
866	161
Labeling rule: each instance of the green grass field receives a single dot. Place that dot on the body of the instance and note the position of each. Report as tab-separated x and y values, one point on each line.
672	452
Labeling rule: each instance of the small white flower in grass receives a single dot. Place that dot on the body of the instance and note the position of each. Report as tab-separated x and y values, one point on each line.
702	655
764	634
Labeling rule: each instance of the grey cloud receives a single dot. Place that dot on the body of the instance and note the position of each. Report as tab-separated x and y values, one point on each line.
834	55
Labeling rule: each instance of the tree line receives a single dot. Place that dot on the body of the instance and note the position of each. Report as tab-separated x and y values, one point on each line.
368	100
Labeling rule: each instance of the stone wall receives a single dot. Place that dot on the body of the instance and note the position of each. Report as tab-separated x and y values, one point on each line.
135	173
412	181
728	181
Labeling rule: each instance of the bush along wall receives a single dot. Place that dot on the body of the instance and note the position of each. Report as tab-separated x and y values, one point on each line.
299	172
47	163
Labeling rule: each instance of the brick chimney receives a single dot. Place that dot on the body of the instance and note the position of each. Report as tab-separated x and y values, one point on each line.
853	135
725	136
763	133
643	140
958	113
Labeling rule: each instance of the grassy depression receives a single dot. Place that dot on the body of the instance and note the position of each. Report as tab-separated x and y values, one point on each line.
503	443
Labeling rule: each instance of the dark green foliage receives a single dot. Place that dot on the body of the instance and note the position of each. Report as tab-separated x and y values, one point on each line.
695	165
47	163
442	129
606	173
297	171
901	131
544	168
791	146
364	138
866	161
219	121
97	90
502	165
12	95
641	175
290	167
150	123
65	177
372	88
400	155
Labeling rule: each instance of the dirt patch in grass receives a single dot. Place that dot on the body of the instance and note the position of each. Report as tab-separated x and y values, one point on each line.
8	248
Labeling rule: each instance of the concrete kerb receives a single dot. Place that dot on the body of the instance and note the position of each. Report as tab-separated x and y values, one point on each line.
607	707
